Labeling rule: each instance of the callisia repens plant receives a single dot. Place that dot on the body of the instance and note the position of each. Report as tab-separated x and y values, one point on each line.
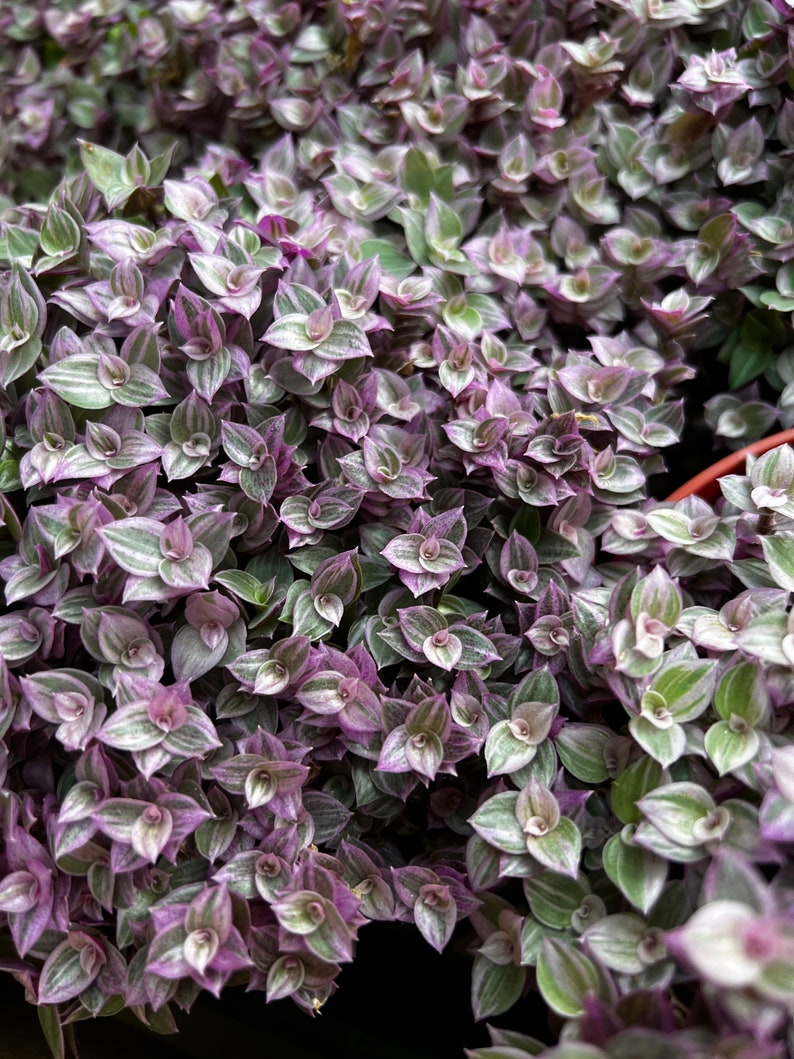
341	348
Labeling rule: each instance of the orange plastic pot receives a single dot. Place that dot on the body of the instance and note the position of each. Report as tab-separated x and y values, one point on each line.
706	483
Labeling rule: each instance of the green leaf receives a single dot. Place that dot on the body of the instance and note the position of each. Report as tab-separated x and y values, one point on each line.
104	167
495	987
565	977
207	376
496	822
305	619
134	544
391	261
414	227
615	940
190	656
730	748
241	583
553	899
754	351
639	778
75	380
419	179
346	342
143	388
543	767
665	745
63	976
582	751
763	637
537	686
742	692
772	299
462	319
289	332
560	849
60	233
639	874
658	596
477	648
779	554
675	809
505	752
685	687
131	729
50	1023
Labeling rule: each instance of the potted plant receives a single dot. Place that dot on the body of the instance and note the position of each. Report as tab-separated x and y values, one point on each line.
343	348
706	482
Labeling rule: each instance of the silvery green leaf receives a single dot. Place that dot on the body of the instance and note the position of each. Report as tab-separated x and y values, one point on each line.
639	874
289	332
75	379
651	838
214	531
79	463
582	751
477	649
192	572
247	666
134	544
258	485
195	737
553	898
444	649
190	656
26	582
104	167
736	488
244	585
346	342
565	976
505	751
779	554
763	637
496	822
330	607
305	619
658	596
543	767
316	919
639	778
67	972
537	686
147	589
141	389
616	941
207	376
685	687
177	466
742	692
671	524
417	623
665	745
495	988
19	639
679	811
560	849
116	817
731	744
131	729
436	920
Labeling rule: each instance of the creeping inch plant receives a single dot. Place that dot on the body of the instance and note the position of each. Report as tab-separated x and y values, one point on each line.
342	349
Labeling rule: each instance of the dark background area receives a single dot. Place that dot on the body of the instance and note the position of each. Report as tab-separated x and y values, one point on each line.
398	999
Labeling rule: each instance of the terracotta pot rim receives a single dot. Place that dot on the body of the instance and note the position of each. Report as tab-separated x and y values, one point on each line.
706	483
